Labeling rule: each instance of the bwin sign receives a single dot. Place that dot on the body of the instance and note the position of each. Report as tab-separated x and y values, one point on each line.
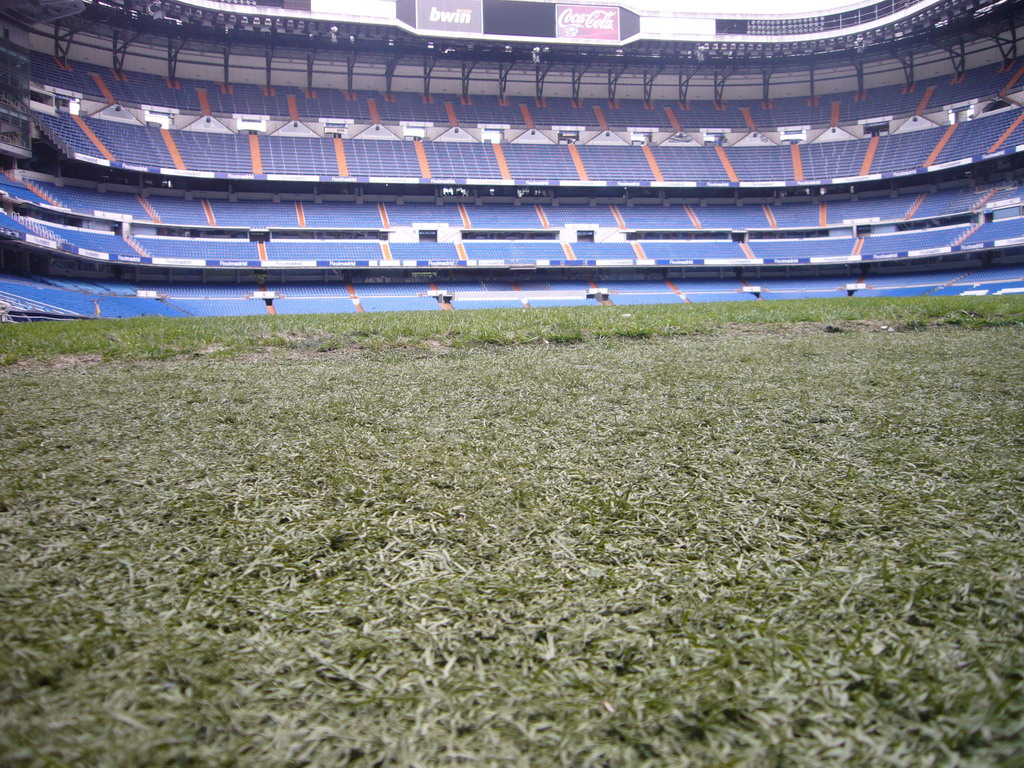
460	16
450	15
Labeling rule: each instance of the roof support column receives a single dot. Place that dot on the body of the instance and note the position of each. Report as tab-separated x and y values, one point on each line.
350	70
613	80
958	57
684	82
503	71
172	57
119	48
577	81
540	75
428	71
649	78
467	71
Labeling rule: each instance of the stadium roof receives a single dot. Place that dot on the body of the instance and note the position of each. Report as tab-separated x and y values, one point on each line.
859	37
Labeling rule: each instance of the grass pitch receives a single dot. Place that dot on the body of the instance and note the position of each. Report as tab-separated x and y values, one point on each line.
701	538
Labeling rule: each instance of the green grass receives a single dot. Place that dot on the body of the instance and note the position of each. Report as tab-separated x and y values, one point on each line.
381	544
160	338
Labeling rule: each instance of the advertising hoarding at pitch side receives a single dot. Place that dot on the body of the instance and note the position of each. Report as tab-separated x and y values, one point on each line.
587	22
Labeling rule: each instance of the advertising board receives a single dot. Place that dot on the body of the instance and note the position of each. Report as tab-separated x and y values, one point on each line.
587	22
450	15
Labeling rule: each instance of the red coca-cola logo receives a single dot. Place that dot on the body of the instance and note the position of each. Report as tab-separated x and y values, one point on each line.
587	22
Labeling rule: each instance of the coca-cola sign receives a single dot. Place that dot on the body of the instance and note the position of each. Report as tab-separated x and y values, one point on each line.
586	22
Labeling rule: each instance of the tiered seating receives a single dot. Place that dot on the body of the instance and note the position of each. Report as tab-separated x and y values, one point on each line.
991	279
765	163
309	290
398	304
797	215
910	284
616	251
247	99
731	217
208	300
566	215
557	285
254	214
631	113
476	302
631	292
219	307
832	160
881	208
364	290
363	217
522	217
464	161
786	287
19	191
700	114
198	248
198	290
689	164
45	70
90	286
634	286
177	210
398	159
1006	191
361	250
982	134
614	163
214	151
133	144
812	246
73	297
946	201
12	226
342	216
421	251
557	111
529	161
512	250
102	242
282	154
314	306
655	217
788	111
905	151
411	106
992	231
693	249
912	241
696	285
421	213
89	200
332	103
382	158
143	88
36	295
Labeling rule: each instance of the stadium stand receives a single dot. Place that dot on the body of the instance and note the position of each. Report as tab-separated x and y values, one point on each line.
766	221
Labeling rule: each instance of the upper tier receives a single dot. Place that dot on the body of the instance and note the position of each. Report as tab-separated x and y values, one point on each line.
235	155
286	102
